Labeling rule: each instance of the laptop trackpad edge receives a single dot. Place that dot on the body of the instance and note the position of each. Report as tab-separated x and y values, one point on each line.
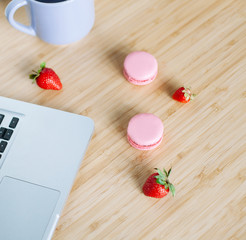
25	209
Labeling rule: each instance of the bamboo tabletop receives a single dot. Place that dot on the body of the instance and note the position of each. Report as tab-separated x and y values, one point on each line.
197	43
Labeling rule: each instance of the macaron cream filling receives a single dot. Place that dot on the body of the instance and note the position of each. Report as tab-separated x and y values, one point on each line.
143	147
131	79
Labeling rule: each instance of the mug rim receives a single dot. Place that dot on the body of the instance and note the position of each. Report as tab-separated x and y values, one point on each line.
57	3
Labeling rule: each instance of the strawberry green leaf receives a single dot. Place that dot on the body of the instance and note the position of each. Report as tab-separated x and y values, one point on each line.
166	186
42	65
32	76
187	96
160	173
172	189
158	177
160	181
169	171
165	172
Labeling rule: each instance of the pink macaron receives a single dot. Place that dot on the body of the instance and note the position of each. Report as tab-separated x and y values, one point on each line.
140	68
145	131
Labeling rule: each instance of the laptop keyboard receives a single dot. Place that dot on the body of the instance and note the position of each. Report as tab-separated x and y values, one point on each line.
8	125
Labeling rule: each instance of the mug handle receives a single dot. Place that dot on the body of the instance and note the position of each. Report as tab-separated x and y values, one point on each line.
10	12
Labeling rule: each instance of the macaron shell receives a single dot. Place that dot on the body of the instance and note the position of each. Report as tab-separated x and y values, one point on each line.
145	129
141	66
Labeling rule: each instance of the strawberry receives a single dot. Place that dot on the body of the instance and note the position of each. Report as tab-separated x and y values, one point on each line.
158	185
46	78
183	95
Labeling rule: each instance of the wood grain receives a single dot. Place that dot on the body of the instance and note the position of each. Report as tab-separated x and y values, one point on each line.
197	43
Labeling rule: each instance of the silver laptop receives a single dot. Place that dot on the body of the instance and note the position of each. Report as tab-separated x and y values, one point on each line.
41	150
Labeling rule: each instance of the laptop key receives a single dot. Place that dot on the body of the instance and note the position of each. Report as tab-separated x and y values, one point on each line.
3	145
2	132
14	122
8	134
1	118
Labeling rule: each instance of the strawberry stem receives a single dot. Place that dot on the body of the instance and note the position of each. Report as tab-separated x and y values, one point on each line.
187	94
162	178
37	73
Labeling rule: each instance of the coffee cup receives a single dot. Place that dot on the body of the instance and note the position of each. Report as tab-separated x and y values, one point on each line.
54	21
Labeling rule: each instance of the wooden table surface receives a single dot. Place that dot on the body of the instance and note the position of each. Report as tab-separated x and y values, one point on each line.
197	43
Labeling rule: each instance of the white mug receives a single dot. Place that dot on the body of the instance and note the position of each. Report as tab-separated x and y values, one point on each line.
55	21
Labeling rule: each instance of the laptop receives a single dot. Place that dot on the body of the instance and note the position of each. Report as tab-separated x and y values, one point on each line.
41	150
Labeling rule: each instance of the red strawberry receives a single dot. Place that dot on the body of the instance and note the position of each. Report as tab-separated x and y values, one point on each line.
158	185
46	78
183	95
